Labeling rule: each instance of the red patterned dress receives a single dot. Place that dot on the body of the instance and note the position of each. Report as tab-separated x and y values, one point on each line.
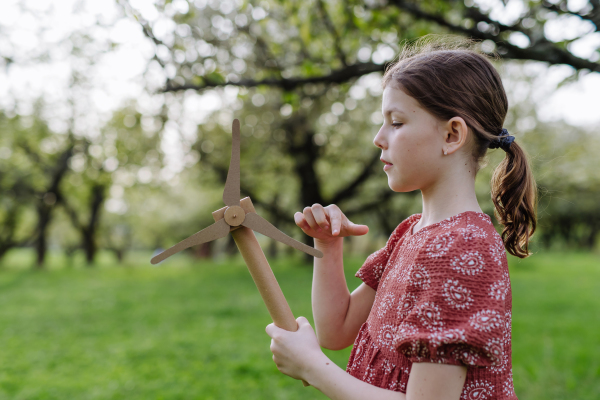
443	296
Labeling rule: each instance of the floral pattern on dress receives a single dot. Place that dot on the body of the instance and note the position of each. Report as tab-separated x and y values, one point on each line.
442	295
419	277
415	242
498	290
508	387
386	337
440	245
456	295
446	337
406	304
386	304
485	320
467	355
495	350
449	222
498	252
478	390
430	316
469	263
472	232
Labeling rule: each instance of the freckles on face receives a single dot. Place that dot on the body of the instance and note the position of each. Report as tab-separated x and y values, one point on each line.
409	139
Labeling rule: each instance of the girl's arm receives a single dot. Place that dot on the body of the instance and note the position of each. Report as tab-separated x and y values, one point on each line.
338	314
298	355
427	381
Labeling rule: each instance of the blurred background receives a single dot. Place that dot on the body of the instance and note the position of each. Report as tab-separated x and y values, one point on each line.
115	134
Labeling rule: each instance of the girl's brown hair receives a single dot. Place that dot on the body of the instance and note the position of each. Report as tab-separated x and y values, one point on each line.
450	77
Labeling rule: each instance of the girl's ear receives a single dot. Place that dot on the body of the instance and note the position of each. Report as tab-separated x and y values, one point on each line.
455	134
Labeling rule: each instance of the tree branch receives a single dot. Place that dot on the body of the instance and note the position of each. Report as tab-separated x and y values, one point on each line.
351	188
593	16
382	198
543	50
70	212
336	38
338	76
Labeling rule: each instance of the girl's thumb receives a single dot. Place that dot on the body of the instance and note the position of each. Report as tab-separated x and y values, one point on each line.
358	230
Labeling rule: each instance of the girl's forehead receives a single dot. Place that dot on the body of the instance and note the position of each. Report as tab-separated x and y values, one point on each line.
395	100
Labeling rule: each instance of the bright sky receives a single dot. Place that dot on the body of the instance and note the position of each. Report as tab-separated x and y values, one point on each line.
117	75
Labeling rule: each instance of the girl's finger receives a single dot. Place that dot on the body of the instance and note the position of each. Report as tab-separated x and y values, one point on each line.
271	329
310	219
300	221
335	216
357	230
320	217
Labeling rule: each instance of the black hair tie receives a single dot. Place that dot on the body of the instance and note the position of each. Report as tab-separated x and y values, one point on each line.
503	141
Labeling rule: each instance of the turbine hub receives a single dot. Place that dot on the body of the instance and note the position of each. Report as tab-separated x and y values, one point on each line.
235	215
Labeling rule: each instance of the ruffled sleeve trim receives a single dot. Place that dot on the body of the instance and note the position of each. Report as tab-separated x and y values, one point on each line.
374	266
446	347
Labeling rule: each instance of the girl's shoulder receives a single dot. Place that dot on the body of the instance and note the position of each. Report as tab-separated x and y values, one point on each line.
470	228
467	243
469	231
406	225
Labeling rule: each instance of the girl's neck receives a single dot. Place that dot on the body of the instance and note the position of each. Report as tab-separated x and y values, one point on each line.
449	196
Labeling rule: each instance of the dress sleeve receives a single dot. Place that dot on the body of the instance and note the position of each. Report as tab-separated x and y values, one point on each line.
456	302
374	266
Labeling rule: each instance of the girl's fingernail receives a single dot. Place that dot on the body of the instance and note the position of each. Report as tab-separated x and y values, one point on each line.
335	232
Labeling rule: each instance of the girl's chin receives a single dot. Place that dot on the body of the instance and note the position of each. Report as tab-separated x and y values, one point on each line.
399	187
394	185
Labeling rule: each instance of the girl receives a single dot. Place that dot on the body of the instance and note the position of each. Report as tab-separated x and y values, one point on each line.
432	319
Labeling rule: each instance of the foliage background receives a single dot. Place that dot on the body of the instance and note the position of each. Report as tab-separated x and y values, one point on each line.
115	125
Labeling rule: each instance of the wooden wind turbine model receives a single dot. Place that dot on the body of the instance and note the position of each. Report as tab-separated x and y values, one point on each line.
240	218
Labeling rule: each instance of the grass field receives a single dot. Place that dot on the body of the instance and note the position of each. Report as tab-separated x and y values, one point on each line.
195	330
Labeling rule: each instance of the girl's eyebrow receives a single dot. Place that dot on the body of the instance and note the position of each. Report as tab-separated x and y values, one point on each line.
389	111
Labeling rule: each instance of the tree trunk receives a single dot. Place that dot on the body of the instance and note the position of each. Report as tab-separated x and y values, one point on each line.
272	250
204	250
89	246
594	226
90	231
46	204
7	239
42	229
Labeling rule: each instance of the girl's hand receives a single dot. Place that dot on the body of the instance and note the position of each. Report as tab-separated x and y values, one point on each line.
327	223
295	352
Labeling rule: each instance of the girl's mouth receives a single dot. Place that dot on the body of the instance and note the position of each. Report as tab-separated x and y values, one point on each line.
387	165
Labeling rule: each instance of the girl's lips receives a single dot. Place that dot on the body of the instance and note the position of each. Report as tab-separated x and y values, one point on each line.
387	166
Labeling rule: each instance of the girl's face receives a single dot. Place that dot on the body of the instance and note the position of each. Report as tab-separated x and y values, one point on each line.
411	140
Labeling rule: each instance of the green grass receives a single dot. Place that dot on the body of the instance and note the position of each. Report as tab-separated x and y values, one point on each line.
556	326
195	329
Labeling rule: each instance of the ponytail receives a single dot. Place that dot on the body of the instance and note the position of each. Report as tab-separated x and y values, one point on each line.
514	195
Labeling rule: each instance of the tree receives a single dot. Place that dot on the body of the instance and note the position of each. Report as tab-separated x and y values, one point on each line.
123	153
302	67
14	186
35	165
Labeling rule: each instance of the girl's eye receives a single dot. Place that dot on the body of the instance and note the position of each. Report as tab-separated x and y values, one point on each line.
397	124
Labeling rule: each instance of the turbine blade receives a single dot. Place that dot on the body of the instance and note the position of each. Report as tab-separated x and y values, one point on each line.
231	193
259	224
215	231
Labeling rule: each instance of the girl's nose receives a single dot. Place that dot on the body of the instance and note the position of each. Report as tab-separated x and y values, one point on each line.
378	141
